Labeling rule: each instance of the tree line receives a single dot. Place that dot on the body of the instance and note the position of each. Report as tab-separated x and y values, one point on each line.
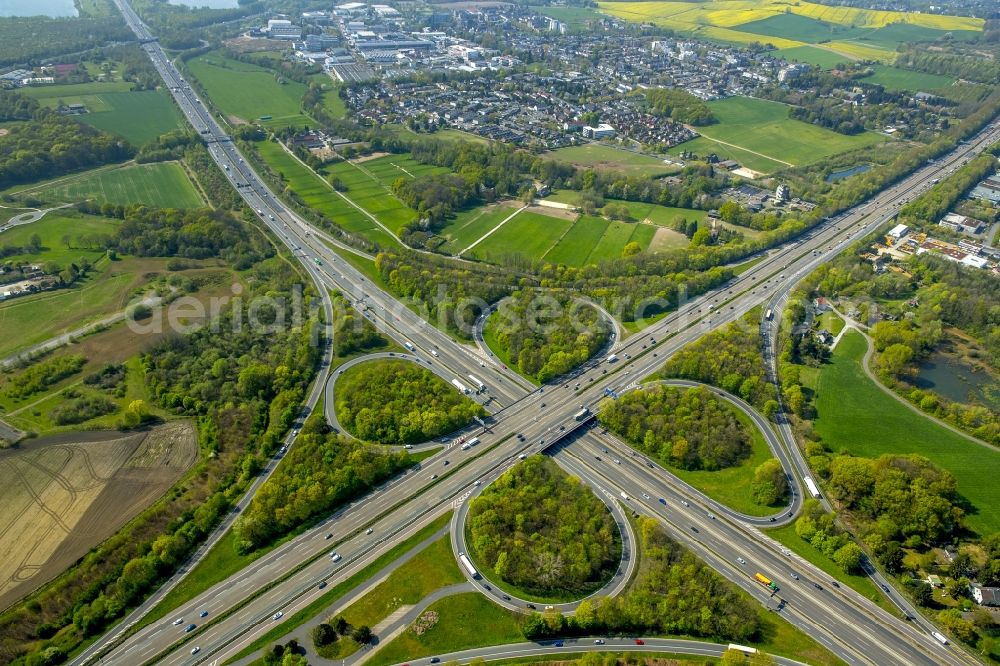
31	39
320	473
930	207
50	145
397	402
544	531
949	64
547	335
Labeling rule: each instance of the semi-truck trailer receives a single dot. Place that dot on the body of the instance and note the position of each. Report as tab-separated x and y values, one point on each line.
582	414
460	386
811	487
612	358
467	563
766	582
477	383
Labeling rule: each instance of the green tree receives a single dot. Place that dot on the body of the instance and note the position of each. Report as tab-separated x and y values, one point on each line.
848	557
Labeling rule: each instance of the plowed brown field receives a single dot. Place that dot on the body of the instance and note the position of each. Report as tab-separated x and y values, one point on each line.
63	495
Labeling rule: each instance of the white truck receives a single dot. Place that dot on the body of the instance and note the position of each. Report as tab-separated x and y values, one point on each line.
408	345
469	444
460	386
612	358
480	386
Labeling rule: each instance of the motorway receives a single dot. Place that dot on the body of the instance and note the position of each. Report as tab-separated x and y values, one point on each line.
528	421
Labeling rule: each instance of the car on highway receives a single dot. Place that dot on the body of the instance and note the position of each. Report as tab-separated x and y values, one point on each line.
711	516
818	586
618	462
684	502
488	588
506	597
598	641
277	616
204	613
435	660
639	641
694	529
645	496
178	621
663	501
532	606
557	644
795	576
368	531
191	627
741	560
328	536
195	650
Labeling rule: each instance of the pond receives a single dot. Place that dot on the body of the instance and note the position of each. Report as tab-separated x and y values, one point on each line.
54	8
847	173
956	380
211	4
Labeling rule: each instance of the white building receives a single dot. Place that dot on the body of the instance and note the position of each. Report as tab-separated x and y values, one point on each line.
602	131
283	29
898	231
782	193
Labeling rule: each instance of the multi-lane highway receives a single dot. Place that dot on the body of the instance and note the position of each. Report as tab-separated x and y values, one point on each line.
528	421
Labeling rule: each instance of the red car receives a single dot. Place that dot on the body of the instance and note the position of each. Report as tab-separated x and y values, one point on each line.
639	641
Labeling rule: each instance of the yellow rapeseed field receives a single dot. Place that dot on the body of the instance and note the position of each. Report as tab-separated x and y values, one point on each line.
731	13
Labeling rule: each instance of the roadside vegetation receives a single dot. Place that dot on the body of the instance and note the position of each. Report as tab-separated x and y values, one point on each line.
545	336
543	532
397	402
729	358
243	386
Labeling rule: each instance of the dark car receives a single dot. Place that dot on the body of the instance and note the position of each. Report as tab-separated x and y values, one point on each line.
532	606
487	587
818	586
663	501
435	660
694	529
557	644
204	613
506	597
190	627
639	641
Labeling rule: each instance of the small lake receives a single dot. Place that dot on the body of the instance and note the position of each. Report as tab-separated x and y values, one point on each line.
211	4
847	173
54	8
955	380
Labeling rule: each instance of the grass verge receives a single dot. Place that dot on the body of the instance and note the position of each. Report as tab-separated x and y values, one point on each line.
339	590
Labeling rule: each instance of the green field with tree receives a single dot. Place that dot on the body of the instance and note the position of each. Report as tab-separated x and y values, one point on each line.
856	416
319	195
468	226
600	156
397	402
247	92
159	184
763	128
543	532
812	55
895	78
528	235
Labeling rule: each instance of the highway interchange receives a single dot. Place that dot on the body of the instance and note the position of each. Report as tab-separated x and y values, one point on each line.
530	421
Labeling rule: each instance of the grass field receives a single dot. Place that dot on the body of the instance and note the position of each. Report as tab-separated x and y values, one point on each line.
246	92
894	78
575	17
138	117
160	184
469	225
528	234
857	416
331	95
599	156
318	194
764	129
369	184
702	146
465	621
814	56
433	568
802	28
